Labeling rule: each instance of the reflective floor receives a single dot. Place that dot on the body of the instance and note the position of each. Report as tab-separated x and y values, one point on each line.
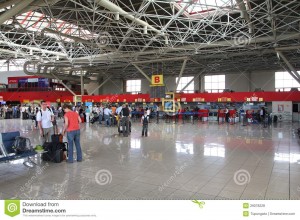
176	161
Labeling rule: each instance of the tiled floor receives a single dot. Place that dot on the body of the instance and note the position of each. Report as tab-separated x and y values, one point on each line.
176	161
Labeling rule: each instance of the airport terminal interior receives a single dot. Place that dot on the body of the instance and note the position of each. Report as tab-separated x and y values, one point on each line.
217	81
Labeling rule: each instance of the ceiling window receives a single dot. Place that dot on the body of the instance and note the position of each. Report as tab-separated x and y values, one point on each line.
183	82
284	81
133	86
203	8
214	83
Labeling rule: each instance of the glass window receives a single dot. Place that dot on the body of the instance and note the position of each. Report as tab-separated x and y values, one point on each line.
133	86
214	83
206	7
284	81
3	65
183	82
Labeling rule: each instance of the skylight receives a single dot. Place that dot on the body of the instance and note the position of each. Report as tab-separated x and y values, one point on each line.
203	7
35	21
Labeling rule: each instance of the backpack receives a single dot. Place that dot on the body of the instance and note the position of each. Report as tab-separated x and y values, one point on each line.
145	120
22	145
48	110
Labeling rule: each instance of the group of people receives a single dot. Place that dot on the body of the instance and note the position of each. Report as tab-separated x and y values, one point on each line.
123	113
46	123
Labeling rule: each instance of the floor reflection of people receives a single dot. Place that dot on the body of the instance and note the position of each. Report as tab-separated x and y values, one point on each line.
124	144
145	149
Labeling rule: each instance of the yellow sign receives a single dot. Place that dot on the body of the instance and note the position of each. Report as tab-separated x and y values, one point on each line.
77	98
157	80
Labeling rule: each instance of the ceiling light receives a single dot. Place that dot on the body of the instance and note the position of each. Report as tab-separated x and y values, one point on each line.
166	40
117	16
145	30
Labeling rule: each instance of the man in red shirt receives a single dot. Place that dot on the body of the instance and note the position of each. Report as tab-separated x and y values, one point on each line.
71	126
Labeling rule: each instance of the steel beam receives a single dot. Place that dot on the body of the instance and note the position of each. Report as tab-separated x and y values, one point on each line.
160	60
98	87
142	72
14	10
63	84
293	72
115	8
180	74
199	74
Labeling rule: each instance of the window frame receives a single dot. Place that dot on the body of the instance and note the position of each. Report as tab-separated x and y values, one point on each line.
183	82
214	83
135	87
283	78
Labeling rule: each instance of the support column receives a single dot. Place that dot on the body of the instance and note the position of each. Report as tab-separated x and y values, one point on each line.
249	81
81	82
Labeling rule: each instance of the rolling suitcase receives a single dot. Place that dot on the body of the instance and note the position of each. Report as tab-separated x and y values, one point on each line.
55	151
57	138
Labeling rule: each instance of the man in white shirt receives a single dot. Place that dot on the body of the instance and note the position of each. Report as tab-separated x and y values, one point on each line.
100	113
45	117
119	109
107	113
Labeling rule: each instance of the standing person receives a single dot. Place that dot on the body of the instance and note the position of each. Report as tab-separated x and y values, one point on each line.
145	121
87	114
100	112
45	117
125	120
226	115
107	113
71	126
262	114
35	114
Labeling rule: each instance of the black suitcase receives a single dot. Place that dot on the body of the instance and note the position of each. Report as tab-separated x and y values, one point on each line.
55	151
275	118
120	128
25	115
57	138
59	156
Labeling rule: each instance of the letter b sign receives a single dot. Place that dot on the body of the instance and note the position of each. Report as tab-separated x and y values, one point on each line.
157	80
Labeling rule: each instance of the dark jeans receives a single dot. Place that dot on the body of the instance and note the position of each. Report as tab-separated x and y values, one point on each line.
145	129
125	124
100	118
74	136
107	120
